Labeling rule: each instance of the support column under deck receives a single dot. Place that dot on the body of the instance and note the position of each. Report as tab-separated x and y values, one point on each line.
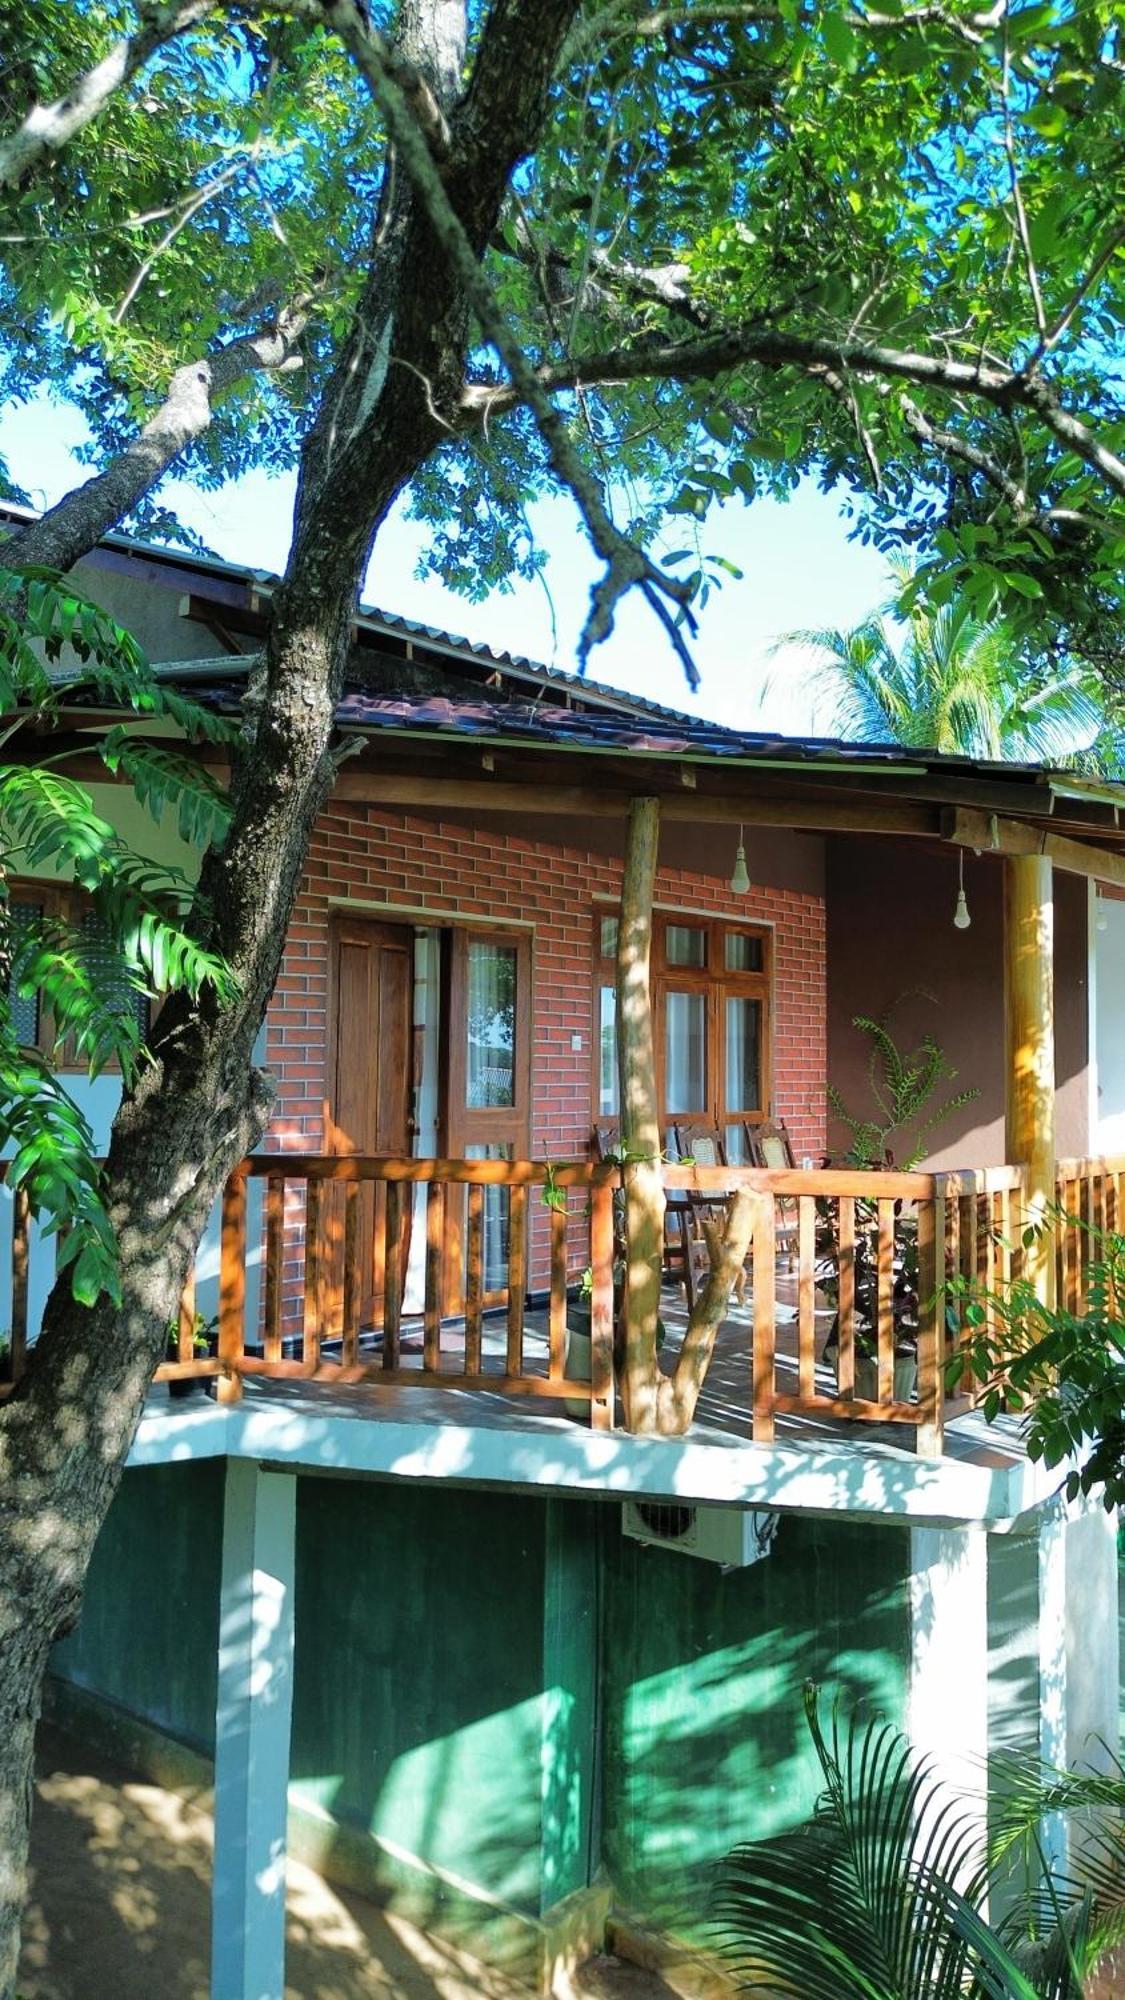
252	1729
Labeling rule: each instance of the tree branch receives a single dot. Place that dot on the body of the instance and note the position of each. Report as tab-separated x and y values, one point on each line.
774	347
47	128
83	516
626	564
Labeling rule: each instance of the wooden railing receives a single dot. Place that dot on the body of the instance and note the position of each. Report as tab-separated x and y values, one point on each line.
1090	1195
335	1248
867	1280
849	1277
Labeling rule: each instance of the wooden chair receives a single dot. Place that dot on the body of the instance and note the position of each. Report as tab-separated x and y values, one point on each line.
699	1139
771	1148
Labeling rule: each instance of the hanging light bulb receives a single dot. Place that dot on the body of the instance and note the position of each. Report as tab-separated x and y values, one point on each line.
740	880
961	917
1101	921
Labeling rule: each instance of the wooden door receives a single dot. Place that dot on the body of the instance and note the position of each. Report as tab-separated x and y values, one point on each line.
370	1084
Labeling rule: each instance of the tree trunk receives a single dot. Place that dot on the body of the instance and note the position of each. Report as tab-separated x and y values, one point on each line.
640	1119
199	1104
726	1249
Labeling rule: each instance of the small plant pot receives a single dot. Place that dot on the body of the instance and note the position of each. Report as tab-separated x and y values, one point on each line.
867	1378
186	1385
579	1361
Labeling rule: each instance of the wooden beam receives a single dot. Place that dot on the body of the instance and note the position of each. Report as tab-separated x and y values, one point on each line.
1029	1016
1007	836
640	1117
583	801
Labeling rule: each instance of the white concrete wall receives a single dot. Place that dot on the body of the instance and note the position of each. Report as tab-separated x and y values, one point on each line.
1109	1025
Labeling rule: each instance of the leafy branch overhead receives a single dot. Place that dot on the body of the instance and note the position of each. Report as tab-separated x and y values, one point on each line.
747	242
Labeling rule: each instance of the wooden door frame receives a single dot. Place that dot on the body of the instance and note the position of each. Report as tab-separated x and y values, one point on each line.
364	922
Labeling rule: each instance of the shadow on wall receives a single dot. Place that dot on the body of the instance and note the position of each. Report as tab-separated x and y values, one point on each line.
705	1738
891	939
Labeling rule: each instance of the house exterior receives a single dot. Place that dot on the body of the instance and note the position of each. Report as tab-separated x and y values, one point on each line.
387	1588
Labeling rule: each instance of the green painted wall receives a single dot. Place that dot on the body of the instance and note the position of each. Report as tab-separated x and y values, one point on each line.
704	1732
150	1615
442	1692
452	1698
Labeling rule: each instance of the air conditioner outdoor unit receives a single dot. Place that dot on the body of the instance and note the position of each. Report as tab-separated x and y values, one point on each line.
734	1537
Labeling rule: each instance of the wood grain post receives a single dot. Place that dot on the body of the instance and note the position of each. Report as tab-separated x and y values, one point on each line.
1029	1012
640	1118
232	1287
931	1327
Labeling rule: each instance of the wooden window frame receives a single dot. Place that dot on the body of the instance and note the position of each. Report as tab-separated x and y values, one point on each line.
717	984
70	902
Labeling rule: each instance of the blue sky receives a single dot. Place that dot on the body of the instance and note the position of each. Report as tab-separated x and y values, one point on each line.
799	570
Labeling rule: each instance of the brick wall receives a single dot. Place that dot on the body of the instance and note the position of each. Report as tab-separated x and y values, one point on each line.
377	857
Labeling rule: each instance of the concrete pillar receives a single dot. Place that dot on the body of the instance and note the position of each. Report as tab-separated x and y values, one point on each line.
252	1724
1014	1646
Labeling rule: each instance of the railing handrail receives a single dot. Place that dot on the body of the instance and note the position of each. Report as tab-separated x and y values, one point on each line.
391	1167
880	1183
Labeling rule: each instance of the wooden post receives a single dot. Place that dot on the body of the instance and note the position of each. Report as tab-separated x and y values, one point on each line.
1029	1010
640	1119
232	1287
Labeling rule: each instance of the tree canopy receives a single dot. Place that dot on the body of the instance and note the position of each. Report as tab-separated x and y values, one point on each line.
751	241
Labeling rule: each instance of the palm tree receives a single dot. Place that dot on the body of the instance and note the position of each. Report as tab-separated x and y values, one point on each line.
951	683
879	1896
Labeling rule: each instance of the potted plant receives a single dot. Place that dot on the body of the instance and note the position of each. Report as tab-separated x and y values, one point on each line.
579	1333
903	1084
204	1342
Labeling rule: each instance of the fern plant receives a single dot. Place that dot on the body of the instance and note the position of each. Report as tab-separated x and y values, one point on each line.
148	936
902	1085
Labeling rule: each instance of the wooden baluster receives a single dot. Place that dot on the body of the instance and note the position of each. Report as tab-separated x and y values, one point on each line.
806	1295
765	1319
951	1259
517	1276
931	1339
393	1273
556	1329
1111	1191
350	1302
333	1197
1089	1217
845	1333
435	1241
970	1258
885	1308
1003	1214
21	1260
380	1237
474	1280
185	1344
232	1286
601	1307
313	1318
1073	1245
275	1262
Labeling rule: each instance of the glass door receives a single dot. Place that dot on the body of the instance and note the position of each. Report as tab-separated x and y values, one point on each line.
488	1083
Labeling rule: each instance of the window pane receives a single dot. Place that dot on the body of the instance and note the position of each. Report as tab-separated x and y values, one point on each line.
685	1057
607	1054
491	1025
608	933
102	956
742	1054
744	954
497	1207
24	1013
685	945
738	1151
